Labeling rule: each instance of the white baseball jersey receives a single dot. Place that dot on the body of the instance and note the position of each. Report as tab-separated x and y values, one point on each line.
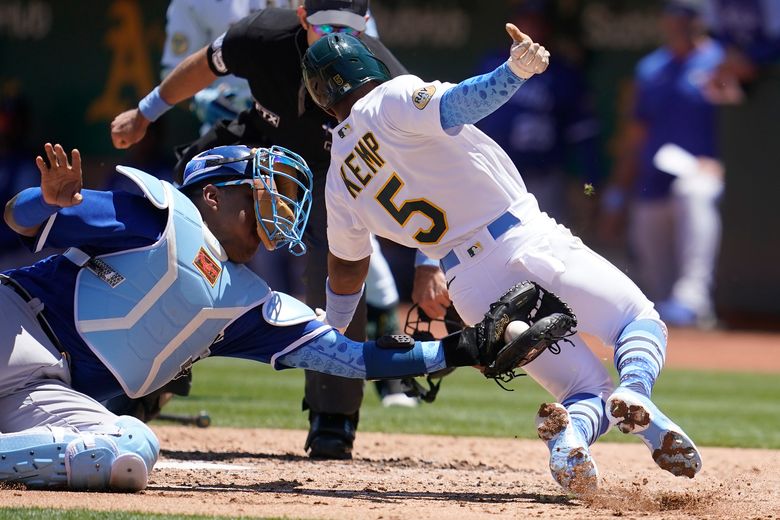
395	172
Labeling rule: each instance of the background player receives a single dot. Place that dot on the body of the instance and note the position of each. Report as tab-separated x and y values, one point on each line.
408	164
108	315
265	49
673	222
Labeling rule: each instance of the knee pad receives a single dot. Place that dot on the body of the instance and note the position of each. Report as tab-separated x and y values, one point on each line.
89	461
138	449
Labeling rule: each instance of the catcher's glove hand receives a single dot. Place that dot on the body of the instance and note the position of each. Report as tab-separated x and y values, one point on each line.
549	319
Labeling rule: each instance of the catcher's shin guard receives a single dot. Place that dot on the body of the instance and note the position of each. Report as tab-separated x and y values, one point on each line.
52	457
138	451
36	457
57	458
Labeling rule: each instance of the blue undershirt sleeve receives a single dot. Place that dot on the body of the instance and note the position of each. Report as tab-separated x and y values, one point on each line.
30	209
334	354
474	98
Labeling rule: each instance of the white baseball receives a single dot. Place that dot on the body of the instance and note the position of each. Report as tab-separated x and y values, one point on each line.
514	329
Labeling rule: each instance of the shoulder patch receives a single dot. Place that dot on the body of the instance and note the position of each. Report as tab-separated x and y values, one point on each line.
422	95
207	266
180	44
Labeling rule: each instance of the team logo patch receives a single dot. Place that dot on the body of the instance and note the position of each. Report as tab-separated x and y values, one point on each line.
180	44
422	95
474	250
207	266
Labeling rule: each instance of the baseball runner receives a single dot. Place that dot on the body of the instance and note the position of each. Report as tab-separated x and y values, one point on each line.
408	164
152	281
265	48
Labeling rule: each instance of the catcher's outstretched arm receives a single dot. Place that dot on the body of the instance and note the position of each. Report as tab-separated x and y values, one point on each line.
390	357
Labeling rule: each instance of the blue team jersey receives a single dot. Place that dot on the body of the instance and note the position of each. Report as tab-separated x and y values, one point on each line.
671	105
751	25
107	222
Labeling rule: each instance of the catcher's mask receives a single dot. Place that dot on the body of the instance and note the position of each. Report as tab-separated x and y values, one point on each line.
281	184
337	64
418	326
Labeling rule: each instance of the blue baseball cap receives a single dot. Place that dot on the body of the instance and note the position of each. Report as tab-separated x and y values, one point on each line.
222	161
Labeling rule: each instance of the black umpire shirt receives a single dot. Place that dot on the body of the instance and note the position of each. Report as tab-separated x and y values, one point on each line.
266	49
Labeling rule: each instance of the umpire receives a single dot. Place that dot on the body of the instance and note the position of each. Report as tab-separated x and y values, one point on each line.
266	49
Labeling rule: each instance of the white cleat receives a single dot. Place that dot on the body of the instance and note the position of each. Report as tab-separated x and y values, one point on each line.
571	464
671	448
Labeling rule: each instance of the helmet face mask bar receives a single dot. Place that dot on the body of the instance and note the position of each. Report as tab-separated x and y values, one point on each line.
281	184
283	209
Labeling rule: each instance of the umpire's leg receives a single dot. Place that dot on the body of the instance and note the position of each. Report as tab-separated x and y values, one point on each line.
333	402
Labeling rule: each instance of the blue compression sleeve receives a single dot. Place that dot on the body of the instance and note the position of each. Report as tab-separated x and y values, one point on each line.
474	98
340	308
30	209
332	353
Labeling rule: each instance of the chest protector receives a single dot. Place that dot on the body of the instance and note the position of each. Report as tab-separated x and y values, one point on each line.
149	313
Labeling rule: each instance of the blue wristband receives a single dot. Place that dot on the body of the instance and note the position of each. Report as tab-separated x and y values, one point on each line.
421	259
30	209
339	308
153	105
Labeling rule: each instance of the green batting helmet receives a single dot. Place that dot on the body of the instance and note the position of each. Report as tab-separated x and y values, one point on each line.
336	65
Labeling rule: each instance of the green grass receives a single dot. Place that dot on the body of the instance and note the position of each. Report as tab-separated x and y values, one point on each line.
716	409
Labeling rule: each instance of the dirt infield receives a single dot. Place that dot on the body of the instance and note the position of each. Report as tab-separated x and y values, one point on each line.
263	473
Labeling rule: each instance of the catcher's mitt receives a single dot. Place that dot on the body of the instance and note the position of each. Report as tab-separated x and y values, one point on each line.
550	320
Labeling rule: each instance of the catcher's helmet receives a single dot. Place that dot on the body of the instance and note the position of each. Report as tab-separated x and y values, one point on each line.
336	65
281	182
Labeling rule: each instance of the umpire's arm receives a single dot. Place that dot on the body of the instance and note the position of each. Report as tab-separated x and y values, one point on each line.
185	80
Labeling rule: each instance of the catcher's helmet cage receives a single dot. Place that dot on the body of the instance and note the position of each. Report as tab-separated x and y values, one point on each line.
337	64
283	210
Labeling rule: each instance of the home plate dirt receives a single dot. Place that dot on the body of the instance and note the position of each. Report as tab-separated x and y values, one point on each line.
263	473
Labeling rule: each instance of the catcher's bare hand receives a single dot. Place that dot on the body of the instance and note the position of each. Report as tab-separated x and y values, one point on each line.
128	128
526	58
61	181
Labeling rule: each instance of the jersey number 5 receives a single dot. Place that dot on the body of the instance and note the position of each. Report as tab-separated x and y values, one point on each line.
407	208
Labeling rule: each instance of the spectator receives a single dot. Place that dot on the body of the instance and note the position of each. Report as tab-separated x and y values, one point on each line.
674	223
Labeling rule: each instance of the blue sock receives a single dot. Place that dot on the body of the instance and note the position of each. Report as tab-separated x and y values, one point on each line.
587	415
639	354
